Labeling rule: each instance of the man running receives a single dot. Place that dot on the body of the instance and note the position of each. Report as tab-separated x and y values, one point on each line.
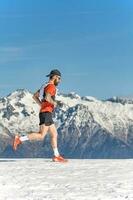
47	105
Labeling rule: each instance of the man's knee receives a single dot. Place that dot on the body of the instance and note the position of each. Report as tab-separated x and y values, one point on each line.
42	135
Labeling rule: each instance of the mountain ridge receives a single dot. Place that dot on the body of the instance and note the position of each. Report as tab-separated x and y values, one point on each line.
87	127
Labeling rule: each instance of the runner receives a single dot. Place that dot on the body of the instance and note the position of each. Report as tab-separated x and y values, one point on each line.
47	105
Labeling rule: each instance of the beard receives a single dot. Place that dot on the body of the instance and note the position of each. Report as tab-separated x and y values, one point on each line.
56	83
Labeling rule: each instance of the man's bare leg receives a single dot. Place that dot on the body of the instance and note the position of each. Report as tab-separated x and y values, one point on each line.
31	136
53	134
38	135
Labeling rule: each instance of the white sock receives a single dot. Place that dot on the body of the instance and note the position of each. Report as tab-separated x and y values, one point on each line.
56	152
24	138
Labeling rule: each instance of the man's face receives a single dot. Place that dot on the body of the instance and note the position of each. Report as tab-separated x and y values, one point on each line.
57	80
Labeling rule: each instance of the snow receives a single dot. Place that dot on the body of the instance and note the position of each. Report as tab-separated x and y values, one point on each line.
108	115
42	179
88	116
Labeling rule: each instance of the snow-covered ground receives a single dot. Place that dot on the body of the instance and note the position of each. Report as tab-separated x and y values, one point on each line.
41	179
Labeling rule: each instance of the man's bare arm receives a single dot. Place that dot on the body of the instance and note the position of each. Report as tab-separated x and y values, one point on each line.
49	99
54	102
36	98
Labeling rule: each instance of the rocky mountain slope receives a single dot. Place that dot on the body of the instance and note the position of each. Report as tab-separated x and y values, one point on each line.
87	127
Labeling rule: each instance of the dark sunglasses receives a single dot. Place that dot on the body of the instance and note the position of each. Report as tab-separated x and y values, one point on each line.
59	77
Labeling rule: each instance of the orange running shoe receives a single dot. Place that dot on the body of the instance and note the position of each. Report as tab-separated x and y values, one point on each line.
59	159
16	142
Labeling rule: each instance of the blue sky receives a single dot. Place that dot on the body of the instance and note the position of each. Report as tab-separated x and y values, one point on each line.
89	41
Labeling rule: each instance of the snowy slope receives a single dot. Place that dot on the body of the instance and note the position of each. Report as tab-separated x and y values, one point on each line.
87	127
41	179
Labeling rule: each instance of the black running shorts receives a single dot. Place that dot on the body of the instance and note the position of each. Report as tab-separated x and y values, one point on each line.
46	118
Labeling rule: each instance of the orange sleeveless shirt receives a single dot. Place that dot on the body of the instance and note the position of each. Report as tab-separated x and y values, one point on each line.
46	106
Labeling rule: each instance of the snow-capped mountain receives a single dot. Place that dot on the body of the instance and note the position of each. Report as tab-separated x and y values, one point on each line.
87	127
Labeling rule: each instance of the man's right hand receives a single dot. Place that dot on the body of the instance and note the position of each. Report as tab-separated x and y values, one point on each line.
55	104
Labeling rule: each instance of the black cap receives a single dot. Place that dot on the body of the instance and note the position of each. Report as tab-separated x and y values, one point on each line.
54	72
